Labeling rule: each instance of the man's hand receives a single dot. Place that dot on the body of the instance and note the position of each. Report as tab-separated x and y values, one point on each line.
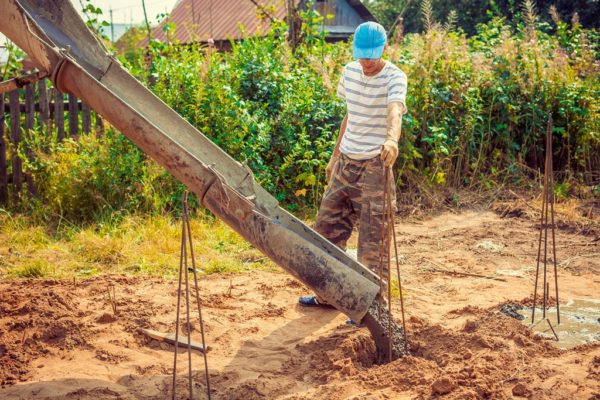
389	152
330	166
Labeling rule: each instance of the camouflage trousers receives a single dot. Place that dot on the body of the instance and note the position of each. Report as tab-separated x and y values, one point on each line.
355	196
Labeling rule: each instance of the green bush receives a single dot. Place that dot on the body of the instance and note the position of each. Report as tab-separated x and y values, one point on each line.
478	106
478	112
262	103
84	179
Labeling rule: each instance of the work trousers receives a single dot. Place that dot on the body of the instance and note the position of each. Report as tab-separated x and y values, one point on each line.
355	196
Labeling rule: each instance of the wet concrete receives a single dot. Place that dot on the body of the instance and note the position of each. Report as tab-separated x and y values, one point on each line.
579	322
378	325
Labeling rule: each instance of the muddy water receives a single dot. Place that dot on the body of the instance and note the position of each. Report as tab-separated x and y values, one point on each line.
378	325
579	322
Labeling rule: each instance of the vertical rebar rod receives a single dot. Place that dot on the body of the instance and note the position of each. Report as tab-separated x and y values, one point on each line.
553	331
395	244
387	209
549	132
187	305
174	390
537	268
189	231
547	192
381	253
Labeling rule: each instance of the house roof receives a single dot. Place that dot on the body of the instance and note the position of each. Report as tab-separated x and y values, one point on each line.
361	9
201	20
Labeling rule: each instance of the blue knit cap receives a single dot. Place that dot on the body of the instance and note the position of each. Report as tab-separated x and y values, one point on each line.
369	41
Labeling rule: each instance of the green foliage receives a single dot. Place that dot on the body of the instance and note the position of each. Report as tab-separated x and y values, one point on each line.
31	269
471	13
478	111
479	106
264	104
83	179
93	17
13	64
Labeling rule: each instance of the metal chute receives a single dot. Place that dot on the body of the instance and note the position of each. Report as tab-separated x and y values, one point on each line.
60	44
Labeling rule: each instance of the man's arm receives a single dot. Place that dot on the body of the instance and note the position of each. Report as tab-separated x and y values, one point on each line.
389	153
336	151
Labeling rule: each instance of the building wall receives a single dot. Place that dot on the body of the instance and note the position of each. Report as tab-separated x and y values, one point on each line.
345	17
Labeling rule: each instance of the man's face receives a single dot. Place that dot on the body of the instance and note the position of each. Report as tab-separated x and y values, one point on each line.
370	65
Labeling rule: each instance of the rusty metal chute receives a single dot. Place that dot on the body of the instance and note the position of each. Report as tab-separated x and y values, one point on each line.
61	45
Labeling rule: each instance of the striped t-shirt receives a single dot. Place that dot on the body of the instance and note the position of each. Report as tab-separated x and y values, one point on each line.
367	99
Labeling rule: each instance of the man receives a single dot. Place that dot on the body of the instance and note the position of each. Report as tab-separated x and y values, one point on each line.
375	95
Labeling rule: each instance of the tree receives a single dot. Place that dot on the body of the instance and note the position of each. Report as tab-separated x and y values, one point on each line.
472	12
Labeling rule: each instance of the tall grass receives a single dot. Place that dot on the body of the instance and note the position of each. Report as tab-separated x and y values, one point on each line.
146	245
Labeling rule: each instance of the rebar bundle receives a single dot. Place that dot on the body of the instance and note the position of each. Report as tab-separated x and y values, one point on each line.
186	238
547	208
388	234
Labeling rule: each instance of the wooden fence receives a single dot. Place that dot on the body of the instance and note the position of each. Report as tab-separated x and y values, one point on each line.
38	107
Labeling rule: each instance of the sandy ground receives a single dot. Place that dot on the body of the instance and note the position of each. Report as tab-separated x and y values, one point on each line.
61	340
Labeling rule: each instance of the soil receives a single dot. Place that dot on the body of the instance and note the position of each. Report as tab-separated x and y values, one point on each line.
62	340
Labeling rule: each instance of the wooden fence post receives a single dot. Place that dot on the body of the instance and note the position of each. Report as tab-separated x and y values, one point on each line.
73	116
86	118
99	125
3	166
29	126
59	114
29	107
44	106
15	130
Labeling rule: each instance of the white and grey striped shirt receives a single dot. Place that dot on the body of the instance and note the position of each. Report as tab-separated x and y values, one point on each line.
367	99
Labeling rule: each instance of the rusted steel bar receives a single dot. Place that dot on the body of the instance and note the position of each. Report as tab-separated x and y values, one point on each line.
439	268
395	244
549	133
539	255
73	116
187	314
17	83
86	121
3	165
178	312
547	193
553	331
15	133
198	302
545	273
59	114
387	215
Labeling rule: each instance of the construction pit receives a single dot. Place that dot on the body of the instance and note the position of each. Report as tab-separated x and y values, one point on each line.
62	340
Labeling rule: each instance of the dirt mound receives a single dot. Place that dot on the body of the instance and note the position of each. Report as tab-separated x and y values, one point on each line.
36	323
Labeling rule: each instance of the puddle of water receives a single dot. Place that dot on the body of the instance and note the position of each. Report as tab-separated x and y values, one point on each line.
579	322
